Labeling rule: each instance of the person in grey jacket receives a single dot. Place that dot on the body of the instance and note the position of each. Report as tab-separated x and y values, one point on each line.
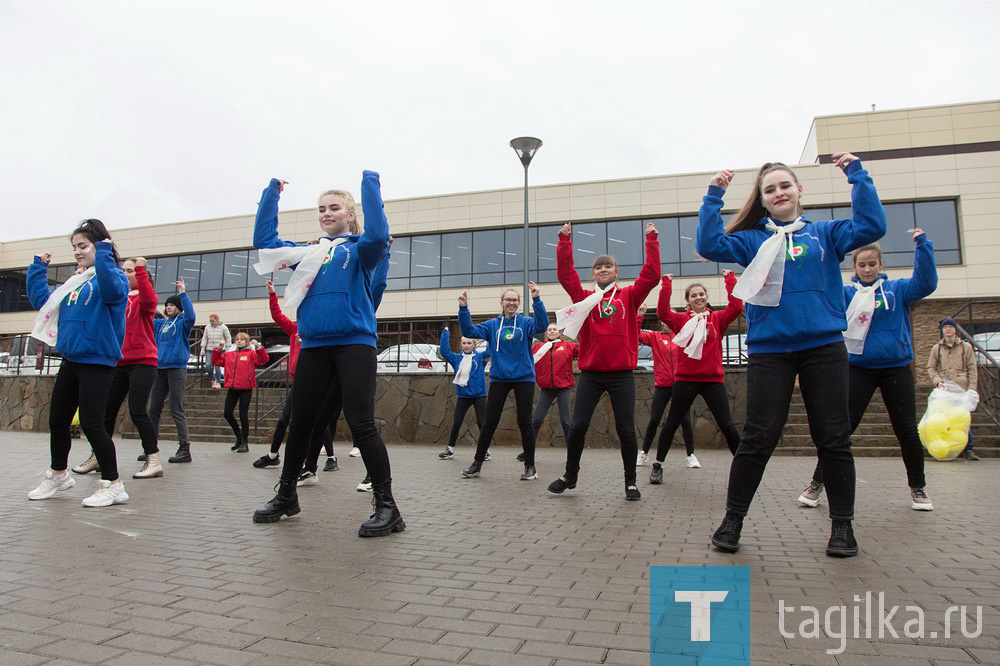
215	333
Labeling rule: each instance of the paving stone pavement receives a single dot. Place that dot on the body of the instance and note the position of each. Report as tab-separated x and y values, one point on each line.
489	571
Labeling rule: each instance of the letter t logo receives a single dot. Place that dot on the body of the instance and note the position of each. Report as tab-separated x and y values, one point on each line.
701	607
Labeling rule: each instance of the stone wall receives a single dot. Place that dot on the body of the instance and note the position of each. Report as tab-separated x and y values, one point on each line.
24	403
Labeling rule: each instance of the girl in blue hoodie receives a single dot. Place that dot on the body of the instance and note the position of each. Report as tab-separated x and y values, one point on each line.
85	320
509	337
336	322
173	335
884	354
795	312
470	387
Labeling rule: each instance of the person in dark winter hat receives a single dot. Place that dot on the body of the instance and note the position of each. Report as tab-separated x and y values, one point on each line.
173	334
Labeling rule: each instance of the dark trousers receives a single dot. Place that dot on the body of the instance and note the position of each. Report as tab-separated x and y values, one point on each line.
461	409
717	400
661	397
822	373
243	397
545	398
899	393
84	386
620	387
170	384
524	393
352	369
325	430
136	382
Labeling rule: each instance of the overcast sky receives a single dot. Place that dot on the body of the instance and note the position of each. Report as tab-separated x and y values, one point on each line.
141	112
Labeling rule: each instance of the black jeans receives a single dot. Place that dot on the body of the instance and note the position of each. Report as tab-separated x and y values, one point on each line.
135	381
243	396
661	397
325	430
545	397
524	394
352	369
822	373
86	386
899	393
620	387
169	384
717	400
461	409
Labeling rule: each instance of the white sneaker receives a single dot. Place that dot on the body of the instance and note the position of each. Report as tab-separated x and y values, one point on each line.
307	479
355	452
693	462
108	493
366	485
51	485
487	457
642	459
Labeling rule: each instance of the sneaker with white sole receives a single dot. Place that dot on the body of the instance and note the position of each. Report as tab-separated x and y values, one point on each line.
920	500
355	452
51	485
87	466
366	485
487	457
642	459
108	493
447	454
692	462
810	496
307	478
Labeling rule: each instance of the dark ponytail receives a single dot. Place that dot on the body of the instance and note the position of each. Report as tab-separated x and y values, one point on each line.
753	211
94	230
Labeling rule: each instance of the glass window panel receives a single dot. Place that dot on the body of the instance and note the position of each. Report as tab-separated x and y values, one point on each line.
589	241
166	275
948	257
840	213
425	257
281	278
399	258
666	227
425	282
549	240
486	279
515	278
456	254
487	252
626	242
686	228
542	277
513	249
699	268
254	279
210	295
257	292
821	214
458	281
533	248
234	294
673	269
397	284
900	218
189	270
235	270
628	272
939	220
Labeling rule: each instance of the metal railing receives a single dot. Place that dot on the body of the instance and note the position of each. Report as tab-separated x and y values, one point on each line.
23	355
987	368
276	373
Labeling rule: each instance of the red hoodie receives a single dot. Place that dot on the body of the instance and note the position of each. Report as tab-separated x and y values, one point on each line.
139	346
665	355
289	327
709	367
609	339
555	370
240	366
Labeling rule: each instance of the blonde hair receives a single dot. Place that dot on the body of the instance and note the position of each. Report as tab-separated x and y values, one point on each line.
353	226
871	247
242	336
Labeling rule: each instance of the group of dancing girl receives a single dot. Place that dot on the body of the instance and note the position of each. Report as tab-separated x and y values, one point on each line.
838	343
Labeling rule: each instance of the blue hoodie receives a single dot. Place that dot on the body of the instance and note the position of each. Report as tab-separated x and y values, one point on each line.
509	341
476	388
811	313
172	336
339	308
889	341
92	319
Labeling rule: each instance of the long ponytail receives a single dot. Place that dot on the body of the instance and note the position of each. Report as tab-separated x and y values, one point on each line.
753	210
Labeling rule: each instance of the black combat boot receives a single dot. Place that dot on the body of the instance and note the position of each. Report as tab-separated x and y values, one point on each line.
386	518
183	454
285	503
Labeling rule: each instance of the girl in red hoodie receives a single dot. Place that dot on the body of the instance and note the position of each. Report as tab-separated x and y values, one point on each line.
699	331
666	356
609	350
241	379
136	371
554	376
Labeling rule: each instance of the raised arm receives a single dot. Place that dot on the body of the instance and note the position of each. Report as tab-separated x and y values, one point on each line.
711	240
867	223
38	280
112	283
446	352
379	279
468	329
374	242
565	269
735	306
651	271
218	357
925	277
675	320
188	315
265	226
260	356
147	293
286	324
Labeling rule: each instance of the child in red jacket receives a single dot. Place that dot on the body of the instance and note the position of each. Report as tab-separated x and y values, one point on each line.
554	376
699	331
241	379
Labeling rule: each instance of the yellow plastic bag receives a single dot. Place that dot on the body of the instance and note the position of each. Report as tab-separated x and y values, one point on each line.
944	428
76	419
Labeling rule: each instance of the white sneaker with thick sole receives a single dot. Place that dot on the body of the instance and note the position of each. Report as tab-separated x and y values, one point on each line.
108	493
366	485
920	500
51	485
355	452
307	479
810	496
692	462
641	459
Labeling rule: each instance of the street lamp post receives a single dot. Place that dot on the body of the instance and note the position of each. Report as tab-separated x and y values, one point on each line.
526	147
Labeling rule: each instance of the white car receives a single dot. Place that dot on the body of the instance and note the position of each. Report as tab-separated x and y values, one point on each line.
411	358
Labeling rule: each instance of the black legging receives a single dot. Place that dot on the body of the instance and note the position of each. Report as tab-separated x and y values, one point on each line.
135	381
352	369
899	395
243	396
325	437
717	400
86	386
461	408
620	387
661	397
325	430
524	395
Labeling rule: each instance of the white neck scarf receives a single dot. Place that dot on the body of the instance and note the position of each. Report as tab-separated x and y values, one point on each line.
693	335
761	282
309	259
571	318
47	320
859	316
543	350
464	371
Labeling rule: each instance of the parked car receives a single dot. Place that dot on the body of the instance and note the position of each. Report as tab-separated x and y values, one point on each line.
991	343
734	349
645	363
411	358
274	374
